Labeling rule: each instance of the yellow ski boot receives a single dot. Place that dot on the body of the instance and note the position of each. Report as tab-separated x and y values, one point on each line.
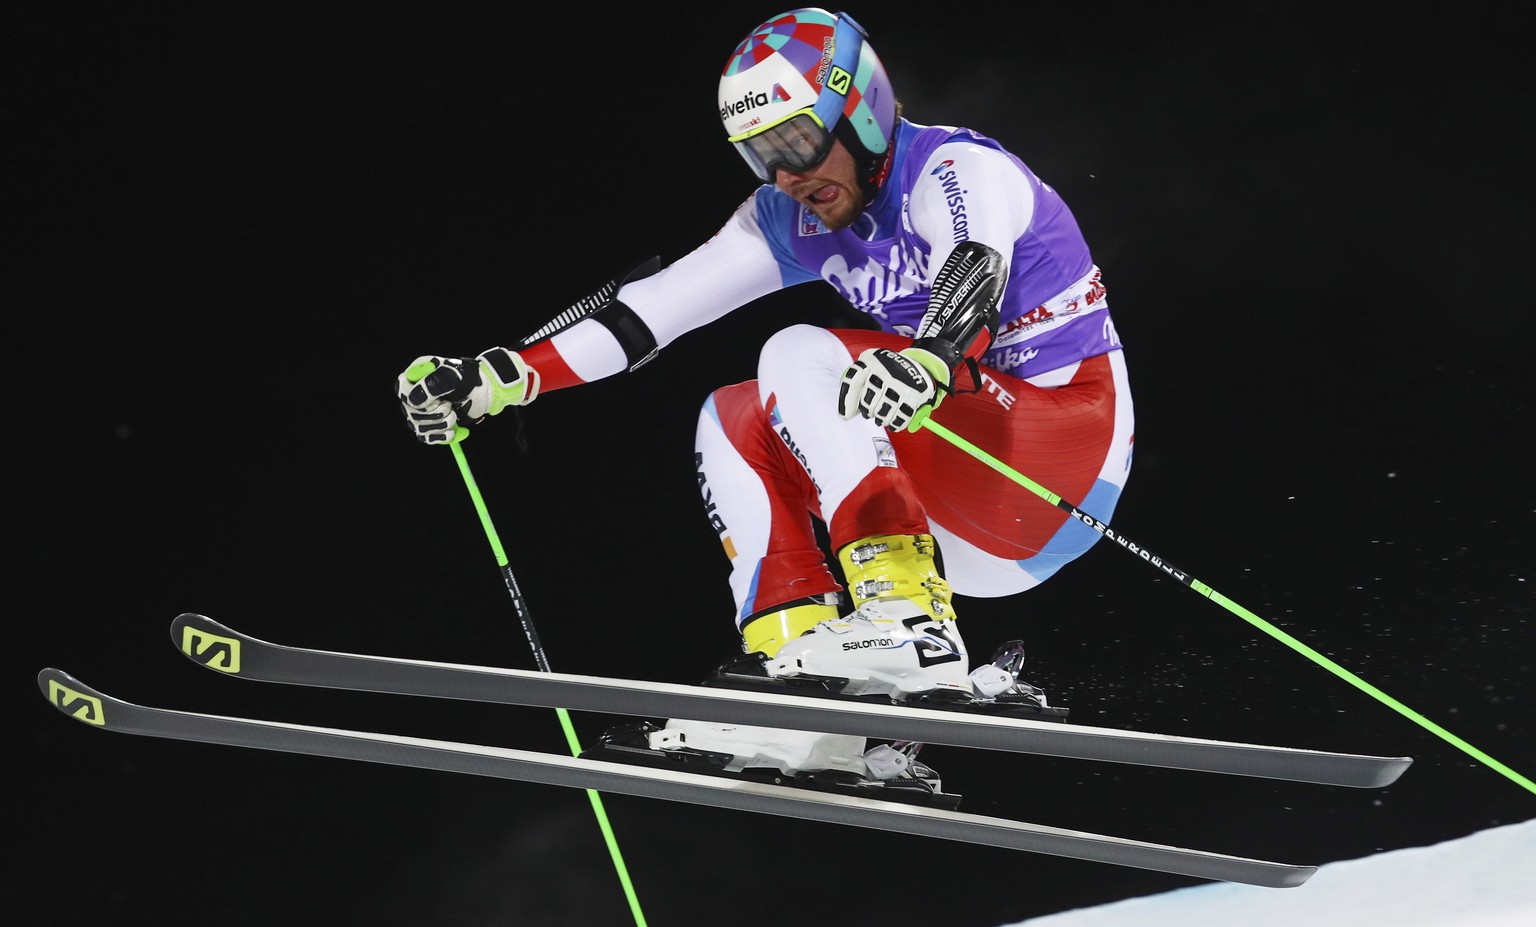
900	641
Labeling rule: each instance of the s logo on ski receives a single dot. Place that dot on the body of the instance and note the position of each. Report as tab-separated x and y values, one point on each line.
77	705
212	650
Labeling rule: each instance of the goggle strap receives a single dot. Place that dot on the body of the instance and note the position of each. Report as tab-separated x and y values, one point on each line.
848	42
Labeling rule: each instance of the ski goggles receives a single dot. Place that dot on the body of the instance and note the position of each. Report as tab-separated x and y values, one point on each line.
795	144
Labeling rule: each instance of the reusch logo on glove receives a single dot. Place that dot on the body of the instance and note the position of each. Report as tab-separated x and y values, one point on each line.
916	377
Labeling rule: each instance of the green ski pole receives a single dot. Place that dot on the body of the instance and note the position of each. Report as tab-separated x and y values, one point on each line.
1168	569
520	605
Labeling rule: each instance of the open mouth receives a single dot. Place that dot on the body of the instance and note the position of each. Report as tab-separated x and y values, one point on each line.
822	195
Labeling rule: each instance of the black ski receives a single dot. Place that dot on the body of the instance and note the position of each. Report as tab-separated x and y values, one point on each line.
97	709
218	647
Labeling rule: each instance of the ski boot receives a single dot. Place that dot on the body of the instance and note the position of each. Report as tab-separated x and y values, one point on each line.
902	644
899	643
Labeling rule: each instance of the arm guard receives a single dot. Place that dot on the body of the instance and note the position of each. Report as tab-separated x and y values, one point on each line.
633	335
963	304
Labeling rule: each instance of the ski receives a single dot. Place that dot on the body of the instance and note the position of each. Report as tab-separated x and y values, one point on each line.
218	647
97	709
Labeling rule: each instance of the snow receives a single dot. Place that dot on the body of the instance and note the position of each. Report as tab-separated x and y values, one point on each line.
1487	879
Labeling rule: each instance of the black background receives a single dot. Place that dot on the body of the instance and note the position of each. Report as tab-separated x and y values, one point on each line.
228	231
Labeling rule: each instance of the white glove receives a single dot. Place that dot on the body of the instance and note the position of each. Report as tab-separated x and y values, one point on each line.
435	393
893	390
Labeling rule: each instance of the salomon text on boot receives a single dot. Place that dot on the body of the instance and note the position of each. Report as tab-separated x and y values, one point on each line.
901	641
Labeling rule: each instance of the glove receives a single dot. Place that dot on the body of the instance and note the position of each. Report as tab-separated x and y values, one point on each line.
895	390
437	392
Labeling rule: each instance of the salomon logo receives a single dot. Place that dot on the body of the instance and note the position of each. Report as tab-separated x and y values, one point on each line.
840	82
932	649
873	642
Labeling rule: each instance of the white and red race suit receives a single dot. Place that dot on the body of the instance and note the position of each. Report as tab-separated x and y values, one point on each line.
1052	400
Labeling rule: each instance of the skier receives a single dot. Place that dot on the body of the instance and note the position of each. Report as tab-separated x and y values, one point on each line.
986	311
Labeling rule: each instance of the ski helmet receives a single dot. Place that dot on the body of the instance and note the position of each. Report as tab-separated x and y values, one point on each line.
797	82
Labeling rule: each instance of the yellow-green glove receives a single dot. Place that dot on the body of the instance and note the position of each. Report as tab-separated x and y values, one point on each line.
437	394
894	389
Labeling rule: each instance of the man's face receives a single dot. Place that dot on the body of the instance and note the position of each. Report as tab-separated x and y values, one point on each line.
830	189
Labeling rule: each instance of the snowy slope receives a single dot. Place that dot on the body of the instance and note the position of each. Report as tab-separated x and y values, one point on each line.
1485	880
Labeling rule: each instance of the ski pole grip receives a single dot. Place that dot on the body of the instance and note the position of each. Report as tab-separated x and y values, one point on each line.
415	374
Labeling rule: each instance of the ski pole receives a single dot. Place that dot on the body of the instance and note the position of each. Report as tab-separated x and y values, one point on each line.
520	605
1174	572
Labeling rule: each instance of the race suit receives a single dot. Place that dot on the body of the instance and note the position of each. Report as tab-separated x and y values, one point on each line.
1052	398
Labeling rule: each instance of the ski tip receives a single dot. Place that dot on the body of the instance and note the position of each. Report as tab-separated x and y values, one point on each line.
48	676
1391	770
198	622
207	642
1293	876
72	697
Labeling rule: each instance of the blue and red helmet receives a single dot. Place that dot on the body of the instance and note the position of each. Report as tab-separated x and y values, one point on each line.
797	82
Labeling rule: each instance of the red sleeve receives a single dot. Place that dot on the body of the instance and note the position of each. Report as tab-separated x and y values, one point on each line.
554	372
